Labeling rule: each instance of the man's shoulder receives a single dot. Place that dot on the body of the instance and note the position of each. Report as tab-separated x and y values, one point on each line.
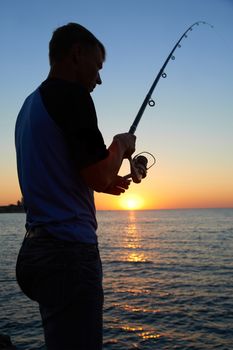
62	86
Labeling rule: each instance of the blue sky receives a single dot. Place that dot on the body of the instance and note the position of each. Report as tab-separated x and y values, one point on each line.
190	129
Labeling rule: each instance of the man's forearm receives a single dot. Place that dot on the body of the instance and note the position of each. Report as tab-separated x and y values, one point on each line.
100	176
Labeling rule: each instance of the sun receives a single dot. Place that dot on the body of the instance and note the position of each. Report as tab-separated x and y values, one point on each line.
131	202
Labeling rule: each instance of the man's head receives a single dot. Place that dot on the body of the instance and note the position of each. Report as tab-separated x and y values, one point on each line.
75	53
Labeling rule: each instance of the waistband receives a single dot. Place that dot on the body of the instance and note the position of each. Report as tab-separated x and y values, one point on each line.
37	232
41	232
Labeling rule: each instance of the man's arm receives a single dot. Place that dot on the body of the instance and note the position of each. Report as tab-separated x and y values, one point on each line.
102	176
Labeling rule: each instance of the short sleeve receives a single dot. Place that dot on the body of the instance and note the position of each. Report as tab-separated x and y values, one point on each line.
72	108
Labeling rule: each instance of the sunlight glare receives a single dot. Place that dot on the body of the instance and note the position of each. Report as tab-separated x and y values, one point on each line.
131	202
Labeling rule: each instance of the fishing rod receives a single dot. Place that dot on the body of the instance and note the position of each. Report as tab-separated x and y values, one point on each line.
138	164
162	74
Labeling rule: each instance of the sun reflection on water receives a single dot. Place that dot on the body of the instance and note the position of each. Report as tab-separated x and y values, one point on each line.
136	257
133	308
134	302
133	241
149	334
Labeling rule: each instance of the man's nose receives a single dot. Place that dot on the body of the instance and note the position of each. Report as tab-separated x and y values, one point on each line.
98	80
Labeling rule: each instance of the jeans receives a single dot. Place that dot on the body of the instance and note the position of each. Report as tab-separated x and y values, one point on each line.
65	278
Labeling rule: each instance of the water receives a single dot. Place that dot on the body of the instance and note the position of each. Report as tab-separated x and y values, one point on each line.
168	279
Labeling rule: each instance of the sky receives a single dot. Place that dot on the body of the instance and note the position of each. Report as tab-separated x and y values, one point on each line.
189	131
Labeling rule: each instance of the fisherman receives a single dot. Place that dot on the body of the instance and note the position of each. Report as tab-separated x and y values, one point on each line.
61	160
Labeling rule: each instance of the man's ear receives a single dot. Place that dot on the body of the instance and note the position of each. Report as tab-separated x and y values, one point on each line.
78	51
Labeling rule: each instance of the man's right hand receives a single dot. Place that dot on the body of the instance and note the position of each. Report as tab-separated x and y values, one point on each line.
127	142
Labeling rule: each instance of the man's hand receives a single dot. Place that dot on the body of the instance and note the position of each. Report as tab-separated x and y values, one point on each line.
119	185
126	142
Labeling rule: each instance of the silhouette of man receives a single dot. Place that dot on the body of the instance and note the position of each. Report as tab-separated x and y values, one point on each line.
61	161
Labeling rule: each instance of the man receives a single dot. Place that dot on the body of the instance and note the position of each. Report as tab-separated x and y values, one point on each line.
61	160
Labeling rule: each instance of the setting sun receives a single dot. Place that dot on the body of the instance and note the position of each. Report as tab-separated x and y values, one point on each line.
131	202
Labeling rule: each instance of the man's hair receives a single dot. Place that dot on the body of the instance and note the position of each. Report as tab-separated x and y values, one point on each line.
65	37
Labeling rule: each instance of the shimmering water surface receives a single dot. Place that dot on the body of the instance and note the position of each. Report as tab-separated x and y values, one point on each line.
168	280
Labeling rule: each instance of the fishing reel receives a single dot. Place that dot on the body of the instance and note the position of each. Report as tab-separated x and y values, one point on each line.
139	167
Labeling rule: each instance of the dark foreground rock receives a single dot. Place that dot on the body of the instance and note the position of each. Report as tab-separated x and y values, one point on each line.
5	343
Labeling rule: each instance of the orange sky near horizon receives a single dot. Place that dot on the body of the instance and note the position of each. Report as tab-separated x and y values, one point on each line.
163	199
155	192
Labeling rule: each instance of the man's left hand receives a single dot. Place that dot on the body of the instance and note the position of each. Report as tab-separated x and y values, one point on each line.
118	186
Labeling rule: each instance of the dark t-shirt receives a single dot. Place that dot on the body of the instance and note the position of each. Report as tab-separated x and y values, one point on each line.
56	123
72	108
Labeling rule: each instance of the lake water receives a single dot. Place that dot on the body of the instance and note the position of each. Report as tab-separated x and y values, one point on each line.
168	280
